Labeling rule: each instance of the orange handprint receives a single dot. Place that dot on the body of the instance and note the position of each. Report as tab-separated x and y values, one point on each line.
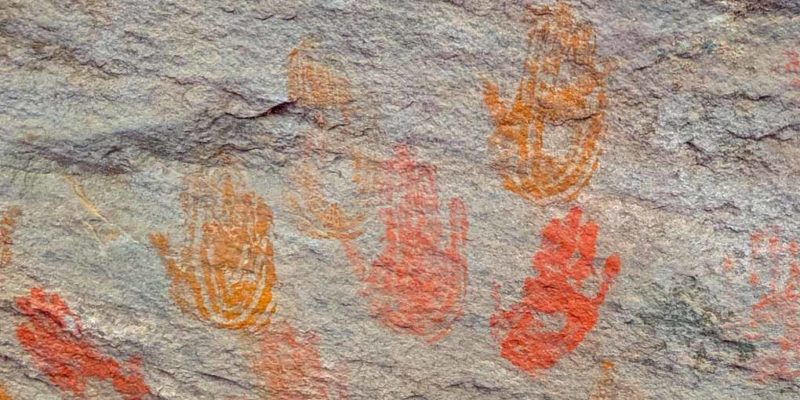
53	337
562	264
313	85
417	284
293	369
773	323
224	273
563	93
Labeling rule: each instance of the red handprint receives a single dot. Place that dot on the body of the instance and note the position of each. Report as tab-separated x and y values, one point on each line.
293	369
557	290
773	323
53	337
415	285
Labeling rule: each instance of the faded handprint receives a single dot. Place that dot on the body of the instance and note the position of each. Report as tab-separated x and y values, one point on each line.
8	222
291	364
563	94
53	337
313	85
418	283
224	273
773	322
564	262
316	216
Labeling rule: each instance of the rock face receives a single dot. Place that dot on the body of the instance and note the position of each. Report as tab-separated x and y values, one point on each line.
374	199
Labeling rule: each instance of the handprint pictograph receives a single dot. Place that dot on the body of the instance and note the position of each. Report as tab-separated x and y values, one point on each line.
291	364
314	85
562	95
417	284
564	262
53	336
772	323
224	272
8	223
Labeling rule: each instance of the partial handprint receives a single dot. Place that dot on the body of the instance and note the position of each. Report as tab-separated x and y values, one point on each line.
224	273
291	364
53	337
313	85
773	322
316	216
564	262
563	93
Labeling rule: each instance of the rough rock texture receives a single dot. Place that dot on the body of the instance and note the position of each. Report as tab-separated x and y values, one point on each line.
397	199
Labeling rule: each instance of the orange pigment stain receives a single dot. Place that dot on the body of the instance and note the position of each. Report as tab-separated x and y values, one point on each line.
565	260
773	323
417	284
3	394
607	388
224	273
561	94
314	85
8	223
53	337
292	368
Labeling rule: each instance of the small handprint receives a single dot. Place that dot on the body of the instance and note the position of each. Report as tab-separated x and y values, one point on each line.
293	369
773	322
224	273
564	262
314	85
52	336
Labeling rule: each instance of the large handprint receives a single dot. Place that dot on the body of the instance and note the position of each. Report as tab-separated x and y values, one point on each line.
564	262
224	273
773	322
418	283
561	94
53	337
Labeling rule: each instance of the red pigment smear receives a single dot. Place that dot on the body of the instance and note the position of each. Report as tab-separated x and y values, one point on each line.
52	336
418	283
293	369
562	264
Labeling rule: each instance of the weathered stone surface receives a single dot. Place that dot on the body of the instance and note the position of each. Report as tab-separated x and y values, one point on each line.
176	174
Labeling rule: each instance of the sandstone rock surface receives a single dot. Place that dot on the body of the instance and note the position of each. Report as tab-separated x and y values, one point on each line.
398	199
